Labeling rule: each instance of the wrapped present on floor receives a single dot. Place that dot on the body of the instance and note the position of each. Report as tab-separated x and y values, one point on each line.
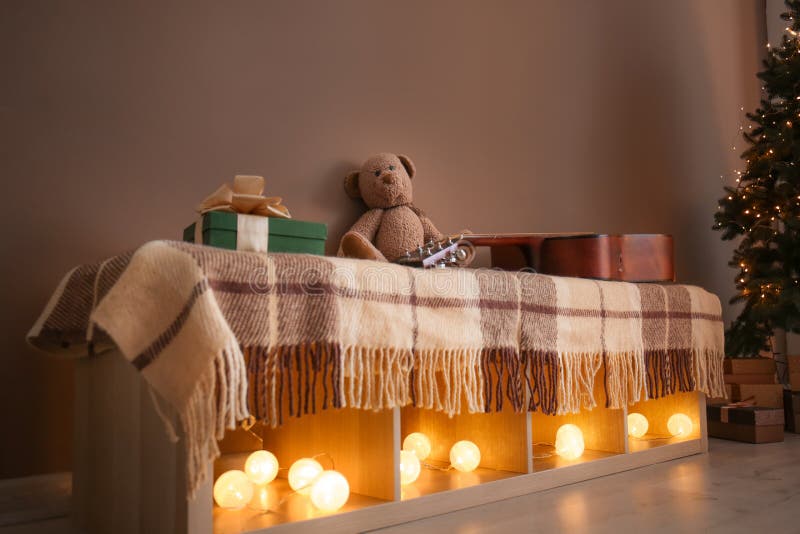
242	218
749	371
791	410
753	424
764	395
794	372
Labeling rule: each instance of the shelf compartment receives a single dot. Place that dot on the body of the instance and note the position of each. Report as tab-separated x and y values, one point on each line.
502	438
125	463
603	431
658	412
273	504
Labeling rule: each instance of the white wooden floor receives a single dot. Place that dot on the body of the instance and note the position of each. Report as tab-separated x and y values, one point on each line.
736	488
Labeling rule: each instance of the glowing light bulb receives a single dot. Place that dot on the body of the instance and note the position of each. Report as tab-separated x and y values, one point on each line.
409	467
569	442
679	424
637	425
419	443
233	490
261	467
330	491
302	473
465	456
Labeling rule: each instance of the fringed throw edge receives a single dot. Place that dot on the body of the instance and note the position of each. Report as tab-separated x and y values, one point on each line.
220	399
300	379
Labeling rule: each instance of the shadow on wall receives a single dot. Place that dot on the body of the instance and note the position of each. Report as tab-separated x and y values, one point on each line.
666	107
348	210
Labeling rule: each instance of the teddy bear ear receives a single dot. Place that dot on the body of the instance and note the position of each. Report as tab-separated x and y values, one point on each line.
351	185
408	164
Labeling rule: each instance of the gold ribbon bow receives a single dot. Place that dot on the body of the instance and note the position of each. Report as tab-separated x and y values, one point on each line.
245	197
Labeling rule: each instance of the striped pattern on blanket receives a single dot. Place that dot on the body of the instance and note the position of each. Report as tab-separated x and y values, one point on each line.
309	333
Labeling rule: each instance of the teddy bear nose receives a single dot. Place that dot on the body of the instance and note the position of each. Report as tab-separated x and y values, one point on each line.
388	179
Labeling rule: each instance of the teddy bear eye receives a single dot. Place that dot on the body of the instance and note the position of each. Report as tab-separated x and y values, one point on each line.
391	167
378	172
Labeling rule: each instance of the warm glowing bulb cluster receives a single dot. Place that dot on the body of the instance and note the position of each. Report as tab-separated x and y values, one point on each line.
465	456
678	425
327	489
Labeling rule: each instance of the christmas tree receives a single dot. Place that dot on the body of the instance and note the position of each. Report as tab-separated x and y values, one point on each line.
763	208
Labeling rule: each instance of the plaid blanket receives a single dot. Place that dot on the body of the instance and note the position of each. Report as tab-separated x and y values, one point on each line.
309	332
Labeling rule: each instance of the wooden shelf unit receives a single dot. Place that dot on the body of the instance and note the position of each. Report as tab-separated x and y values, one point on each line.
129	477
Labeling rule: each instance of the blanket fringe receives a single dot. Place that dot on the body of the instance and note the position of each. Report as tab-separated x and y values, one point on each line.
284	380
290	379
443	378
625	380
540	371
670	372
576	381
708	373
300	379
219	399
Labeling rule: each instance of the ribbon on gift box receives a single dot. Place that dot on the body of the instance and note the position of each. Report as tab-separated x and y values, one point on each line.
723	411
253	210
245	197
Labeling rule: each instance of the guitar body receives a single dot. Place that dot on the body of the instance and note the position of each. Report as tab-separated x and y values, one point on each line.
625	257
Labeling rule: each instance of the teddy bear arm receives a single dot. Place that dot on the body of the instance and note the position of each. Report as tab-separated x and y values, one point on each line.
367	225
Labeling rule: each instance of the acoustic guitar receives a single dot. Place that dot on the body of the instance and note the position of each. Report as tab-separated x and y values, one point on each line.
625	257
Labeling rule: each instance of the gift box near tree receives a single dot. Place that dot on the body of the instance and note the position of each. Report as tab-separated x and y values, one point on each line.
762	210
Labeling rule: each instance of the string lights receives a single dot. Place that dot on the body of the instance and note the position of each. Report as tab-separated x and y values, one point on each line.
569	442
328	490
679	425
637	425
233	490
419	443
302	473
761	208
261	467
410	467
465	456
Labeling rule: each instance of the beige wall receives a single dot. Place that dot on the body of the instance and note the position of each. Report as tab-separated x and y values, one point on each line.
117	118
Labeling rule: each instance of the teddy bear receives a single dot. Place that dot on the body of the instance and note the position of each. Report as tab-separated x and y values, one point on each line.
393	225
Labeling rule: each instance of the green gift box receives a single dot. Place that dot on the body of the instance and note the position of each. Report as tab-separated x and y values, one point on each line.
256	233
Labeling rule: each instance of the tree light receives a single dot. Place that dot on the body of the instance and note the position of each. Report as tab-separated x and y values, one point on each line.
233	490
302	473
261	467
679	424
330	491
637	425
569	442
409	467
419	443
465	456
